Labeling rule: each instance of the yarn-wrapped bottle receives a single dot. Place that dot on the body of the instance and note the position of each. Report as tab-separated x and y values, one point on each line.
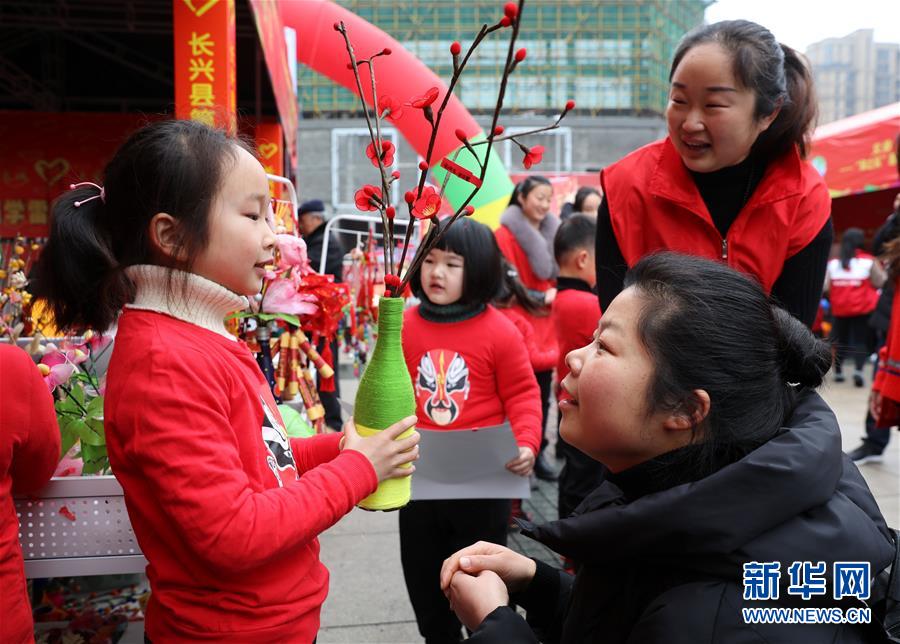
385	395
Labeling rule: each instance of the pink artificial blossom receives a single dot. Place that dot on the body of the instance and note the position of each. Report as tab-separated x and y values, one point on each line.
282	297
291	252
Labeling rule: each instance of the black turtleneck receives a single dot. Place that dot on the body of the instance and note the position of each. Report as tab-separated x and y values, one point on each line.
683	465
726	191
446	313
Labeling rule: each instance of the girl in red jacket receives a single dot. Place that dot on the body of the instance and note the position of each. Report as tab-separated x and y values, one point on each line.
225	506
29	450
730	181
470	368
525	237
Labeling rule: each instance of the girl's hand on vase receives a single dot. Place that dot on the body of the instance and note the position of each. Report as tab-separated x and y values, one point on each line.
387	454
473	598
523	463
514	569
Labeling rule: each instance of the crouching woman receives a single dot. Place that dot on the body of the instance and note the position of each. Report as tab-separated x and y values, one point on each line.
697	395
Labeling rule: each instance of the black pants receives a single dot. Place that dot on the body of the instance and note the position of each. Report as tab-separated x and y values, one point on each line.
851	337
330	398
431	531
877	437
545	382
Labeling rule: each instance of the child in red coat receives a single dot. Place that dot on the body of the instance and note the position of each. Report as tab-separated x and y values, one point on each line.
29	450
575	313
225	506
470	369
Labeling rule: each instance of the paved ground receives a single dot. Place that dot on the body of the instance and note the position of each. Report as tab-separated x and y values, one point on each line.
368	600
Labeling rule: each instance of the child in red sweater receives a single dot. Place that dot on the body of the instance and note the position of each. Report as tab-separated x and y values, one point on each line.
470	368
575	316
29	450
225	506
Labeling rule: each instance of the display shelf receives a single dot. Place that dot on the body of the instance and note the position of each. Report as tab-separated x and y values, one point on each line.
98	541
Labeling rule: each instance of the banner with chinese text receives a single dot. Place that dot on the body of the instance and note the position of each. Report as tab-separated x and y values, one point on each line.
857	154
205	82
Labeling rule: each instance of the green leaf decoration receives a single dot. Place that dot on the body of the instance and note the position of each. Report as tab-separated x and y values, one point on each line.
67	435
87	435
95	407
78	394
286	317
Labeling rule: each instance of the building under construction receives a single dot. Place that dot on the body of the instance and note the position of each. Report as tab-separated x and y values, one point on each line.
613	56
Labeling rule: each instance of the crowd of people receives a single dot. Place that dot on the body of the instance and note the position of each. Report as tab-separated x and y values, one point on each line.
691	445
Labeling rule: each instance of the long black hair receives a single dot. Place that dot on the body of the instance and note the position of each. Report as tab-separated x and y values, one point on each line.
512	291
475	243
750	370
778	76
175	167
851	241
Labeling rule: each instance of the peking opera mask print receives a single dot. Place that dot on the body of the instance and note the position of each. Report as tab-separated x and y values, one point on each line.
442	385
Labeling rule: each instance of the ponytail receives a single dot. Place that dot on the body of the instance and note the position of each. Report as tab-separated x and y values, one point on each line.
851	241
77	273
799	108
805	359
512	291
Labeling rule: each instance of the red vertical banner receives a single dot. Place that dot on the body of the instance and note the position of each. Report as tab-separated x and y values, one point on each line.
205	83
270	144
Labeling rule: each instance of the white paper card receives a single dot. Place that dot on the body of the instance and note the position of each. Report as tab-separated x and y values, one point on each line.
468	464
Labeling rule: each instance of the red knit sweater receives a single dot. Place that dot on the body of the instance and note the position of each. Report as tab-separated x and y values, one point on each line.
225	508
474	373
575	316
543	356
29	450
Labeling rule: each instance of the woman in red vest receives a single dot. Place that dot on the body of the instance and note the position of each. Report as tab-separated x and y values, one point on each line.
525	237
852	281
729	181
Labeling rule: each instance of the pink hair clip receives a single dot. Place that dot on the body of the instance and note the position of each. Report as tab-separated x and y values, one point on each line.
101	196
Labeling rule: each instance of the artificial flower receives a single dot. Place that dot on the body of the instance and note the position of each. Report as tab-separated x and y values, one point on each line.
18	280
426	99
533	156
387	153
367	197
428	204
282	297
390	107
56	375
291	252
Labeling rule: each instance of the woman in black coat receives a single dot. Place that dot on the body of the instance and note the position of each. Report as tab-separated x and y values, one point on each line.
720	455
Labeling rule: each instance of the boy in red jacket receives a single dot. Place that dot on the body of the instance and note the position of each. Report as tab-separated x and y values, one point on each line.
575	313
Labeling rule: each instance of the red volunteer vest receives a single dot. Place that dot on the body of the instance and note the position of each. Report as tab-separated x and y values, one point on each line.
851	291
655	205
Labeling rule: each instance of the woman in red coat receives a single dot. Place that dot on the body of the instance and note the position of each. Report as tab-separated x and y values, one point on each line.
525	237
29	450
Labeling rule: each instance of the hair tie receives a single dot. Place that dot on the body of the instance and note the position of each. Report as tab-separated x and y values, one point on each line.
101	196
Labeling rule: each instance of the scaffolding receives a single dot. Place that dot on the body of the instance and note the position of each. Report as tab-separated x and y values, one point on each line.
612	56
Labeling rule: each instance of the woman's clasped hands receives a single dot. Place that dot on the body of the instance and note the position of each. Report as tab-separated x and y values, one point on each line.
479	579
